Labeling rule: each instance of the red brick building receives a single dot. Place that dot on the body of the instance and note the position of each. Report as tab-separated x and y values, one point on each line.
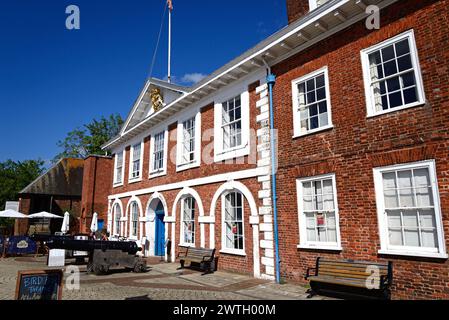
362	149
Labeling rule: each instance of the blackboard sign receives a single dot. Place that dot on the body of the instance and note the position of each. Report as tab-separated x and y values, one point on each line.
39	285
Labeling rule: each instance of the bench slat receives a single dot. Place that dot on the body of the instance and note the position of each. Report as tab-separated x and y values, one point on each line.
340	281
349	272
354	263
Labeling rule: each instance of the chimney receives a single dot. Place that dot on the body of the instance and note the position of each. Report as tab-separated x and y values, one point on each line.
296	9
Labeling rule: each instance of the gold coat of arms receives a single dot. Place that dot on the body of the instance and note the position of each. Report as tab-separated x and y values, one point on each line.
157	99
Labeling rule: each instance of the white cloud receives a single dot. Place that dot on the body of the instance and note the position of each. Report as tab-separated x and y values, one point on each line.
193	77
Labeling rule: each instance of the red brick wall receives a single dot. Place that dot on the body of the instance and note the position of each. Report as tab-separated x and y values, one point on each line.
97	183
296	9
357	144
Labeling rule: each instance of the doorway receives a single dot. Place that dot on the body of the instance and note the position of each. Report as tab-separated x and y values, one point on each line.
159	241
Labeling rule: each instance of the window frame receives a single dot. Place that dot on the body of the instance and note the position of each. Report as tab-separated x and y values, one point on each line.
369	95
220	154
131	162
117	222
224	249
440	252
131	221
161	171
115	182
182	242
295	95
303	241
180	164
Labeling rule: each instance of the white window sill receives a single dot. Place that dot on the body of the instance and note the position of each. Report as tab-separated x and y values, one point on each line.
328	248
187	245
414	254
156	174
130	181
233	252
411	105
116	185
186	166
233	153
313	131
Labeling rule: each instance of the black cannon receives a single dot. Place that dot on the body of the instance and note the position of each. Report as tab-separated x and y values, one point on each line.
103	255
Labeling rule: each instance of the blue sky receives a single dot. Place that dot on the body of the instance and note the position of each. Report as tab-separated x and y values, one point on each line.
53	80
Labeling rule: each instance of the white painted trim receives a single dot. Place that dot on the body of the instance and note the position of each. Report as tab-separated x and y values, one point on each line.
410	35
136	105
180	165
310	247
160	197
244	149
233	252
439	252
131	159
236	175
303	241
295	94
206	219
312	5
163	171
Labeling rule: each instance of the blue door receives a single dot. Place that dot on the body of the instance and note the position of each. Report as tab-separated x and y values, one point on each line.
159	246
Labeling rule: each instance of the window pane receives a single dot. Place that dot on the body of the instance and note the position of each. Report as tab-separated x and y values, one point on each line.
410	219
405	179
394	219
427	218
410	96
387	53
391	198
405	63
411	237
407	198
395	100
429	239
402	47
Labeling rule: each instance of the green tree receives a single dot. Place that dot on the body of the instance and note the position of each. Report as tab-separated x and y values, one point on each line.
82	142
14	176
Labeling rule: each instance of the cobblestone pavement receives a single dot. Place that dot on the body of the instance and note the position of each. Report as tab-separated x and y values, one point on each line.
163	281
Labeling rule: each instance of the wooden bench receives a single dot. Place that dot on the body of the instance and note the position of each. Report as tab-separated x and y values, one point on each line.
205	257
355	278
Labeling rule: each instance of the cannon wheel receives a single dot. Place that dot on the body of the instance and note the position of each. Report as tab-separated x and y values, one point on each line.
90	267
101	269
139	267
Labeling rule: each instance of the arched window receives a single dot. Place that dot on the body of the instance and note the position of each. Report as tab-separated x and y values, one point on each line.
117	217
233	233
188	221
134	219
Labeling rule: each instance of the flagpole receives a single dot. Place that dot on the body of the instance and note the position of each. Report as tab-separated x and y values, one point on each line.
169	45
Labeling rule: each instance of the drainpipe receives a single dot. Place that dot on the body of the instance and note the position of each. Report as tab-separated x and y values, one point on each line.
271	80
